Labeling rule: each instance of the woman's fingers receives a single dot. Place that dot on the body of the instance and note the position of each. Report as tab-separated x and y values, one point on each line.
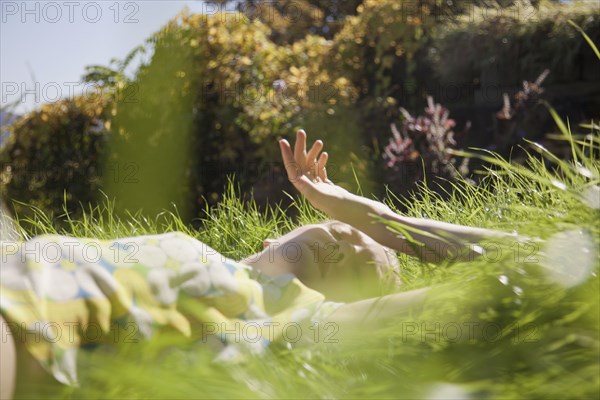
300	146
311	157
294	171
296	176
286	152
321	166
298	162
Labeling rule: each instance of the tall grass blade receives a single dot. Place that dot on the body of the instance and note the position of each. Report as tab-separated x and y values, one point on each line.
586	37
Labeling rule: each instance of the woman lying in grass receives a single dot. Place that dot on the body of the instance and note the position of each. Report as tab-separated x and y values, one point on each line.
61	293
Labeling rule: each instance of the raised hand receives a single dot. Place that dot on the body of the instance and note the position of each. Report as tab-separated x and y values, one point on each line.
307	172
299	162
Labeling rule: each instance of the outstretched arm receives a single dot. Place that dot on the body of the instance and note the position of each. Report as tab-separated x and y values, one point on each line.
373	312
427	239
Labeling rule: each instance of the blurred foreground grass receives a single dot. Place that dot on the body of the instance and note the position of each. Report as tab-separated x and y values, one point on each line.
520	322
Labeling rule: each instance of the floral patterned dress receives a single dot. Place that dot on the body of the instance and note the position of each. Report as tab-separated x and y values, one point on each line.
60	293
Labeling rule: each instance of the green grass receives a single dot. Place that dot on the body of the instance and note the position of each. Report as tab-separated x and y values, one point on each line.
528	315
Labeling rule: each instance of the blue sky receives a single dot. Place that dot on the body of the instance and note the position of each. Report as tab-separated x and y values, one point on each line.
45	45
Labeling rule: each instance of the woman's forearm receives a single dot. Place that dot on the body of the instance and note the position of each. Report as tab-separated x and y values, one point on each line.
427	239
364	214
370	313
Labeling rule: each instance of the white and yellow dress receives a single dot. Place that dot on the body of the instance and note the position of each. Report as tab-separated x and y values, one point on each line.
60	293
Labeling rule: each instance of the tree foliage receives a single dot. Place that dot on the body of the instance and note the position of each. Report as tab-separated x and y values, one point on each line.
292	20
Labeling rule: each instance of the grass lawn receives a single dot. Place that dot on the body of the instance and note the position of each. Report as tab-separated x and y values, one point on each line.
522	321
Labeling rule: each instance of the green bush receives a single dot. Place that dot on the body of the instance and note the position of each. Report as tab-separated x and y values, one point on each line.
54	156
517	44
